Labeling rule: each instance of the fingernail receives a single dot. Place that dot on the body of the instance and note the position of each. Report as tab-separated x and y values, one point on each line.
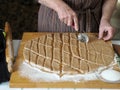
99	38
76	29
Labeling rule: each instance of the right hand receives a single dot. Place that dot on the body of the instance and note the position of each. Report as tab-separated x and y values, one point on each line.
68	16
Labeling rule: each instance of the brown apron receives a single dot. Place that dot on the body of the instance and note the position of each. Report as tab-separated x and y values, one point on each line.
88	11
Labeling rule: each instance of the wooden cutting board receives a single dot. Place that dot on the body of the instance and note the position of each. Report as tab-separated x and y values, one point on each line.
18	81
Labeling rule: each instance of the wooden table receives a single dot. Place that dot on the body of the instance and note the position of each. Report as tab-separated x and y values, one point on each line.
17	81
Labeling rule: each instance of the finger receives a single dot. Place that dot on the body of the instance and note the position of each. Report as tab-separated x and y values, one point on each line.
108	36
62	19
111	32
65	20
69	21
76	23
101	34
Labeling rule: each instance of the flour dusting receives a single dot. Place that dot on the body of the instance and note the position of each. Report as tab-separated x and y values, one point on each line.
36	75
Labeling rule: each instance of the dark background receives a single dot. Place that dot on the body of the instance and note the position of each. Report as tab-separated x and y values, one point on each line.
21	14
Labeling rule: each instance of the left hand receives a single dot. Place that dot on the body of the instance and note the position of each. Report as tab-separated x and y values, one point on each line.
106	31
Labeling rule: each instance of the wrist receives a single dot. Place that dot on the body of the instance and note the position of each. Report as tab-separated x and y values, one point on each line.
105	20
57	4
60	5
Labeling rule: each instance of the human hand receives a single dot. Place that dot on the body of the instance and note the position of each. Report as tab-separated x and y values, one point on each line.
106	31
68	16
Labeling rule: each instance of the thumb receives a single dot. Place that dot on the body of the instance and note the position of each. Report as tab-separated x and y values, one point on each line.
101	33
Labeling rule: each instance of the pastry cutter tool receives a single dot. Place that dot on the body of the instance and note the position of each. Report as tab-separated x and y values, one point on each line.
83	37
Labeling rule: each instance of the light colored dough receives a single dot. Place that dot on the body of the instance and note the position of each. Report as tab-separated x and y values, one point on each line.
64	54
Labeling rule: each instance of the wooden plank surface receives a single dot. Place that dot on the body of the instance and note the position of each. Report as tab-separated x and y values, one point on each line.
18	81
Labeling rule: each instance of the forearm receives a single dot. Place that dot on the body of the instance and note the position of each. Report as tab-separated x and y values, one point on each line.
53	4
65	13
107	9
